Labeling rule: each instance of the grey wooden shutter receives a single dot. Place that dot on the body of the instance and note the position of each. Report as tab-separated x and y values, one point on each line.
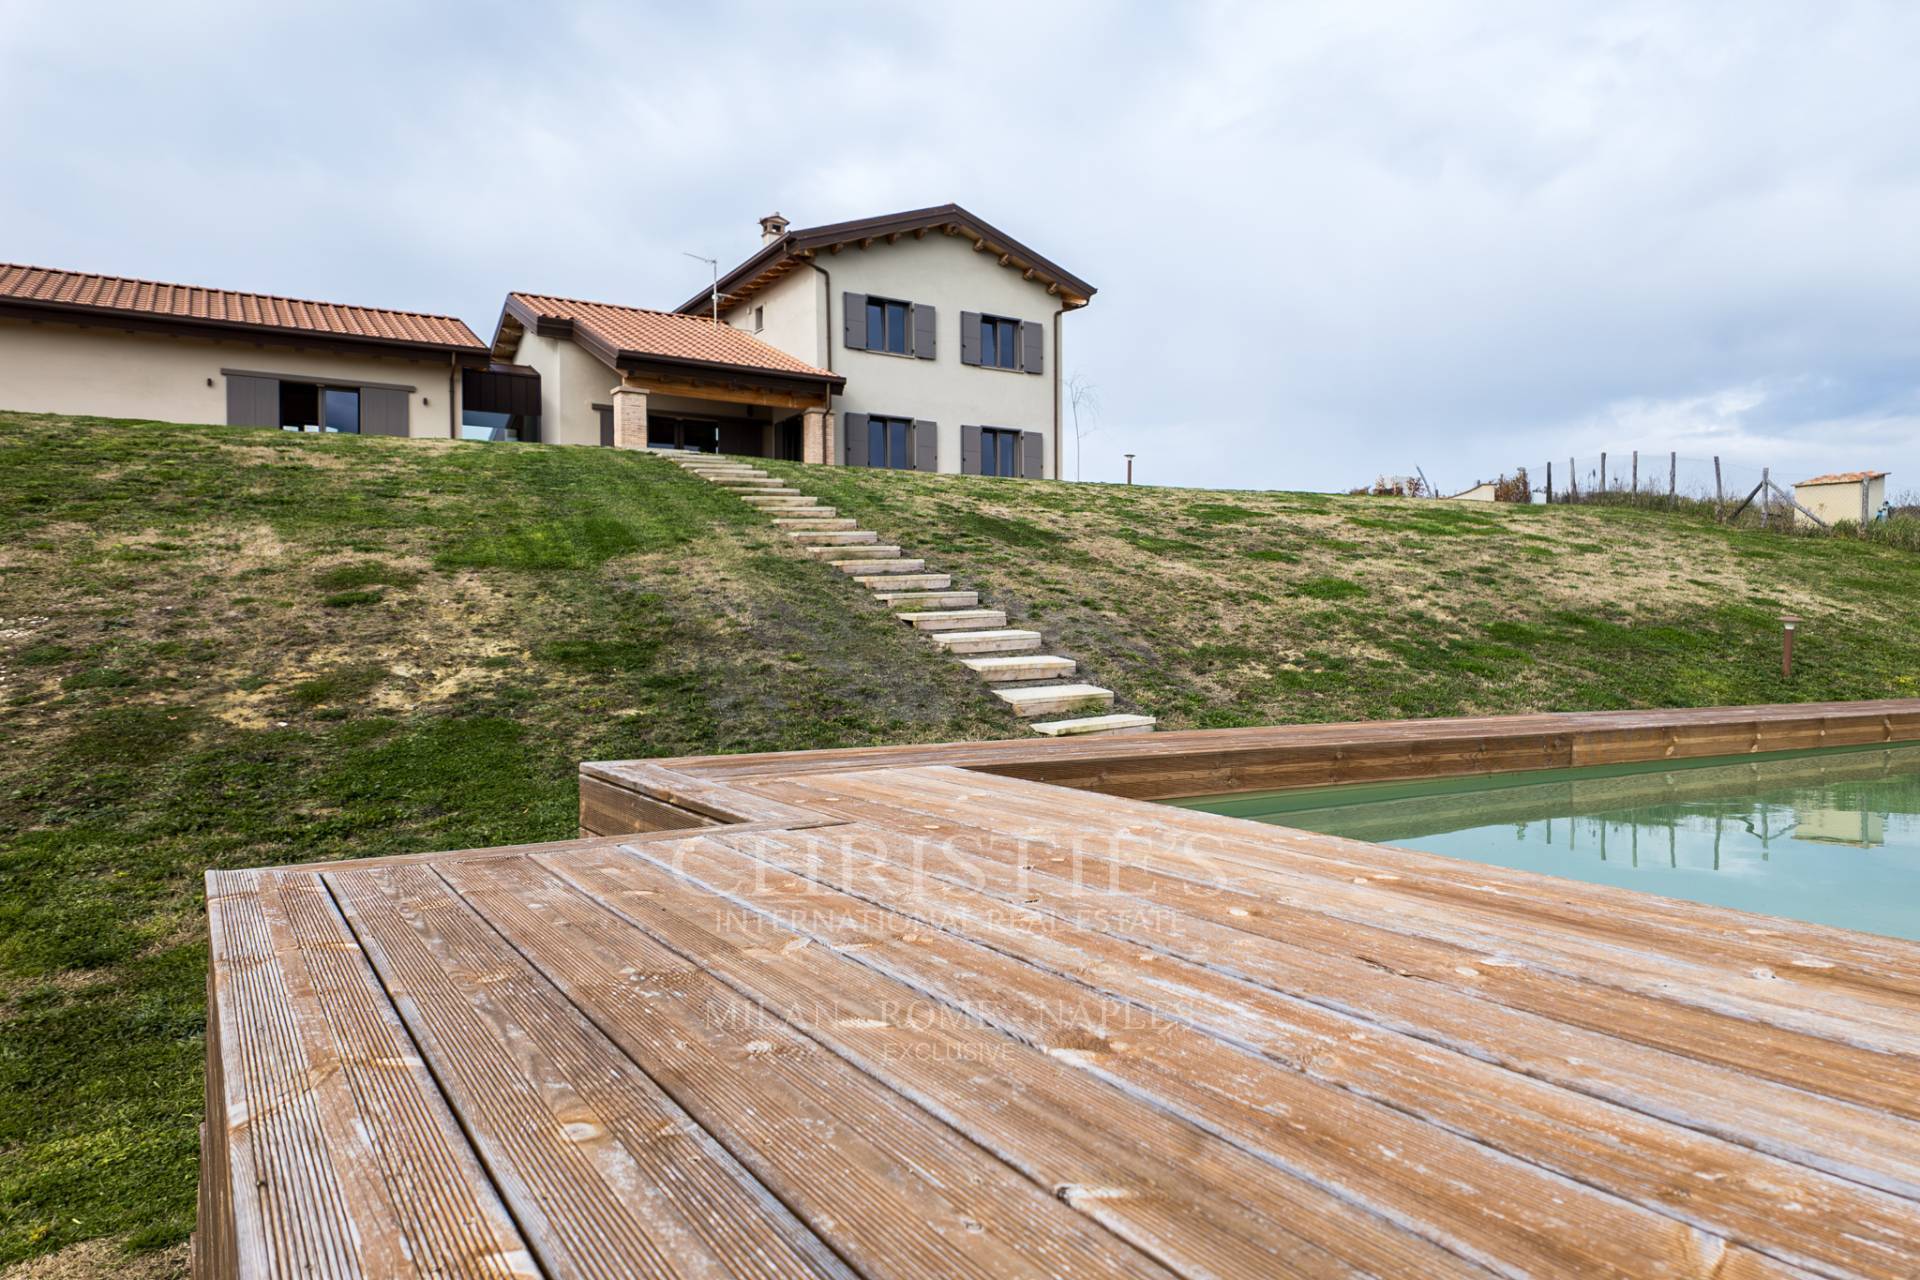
252	402
855	436
606	423
970	451
855	307
1033	346
969	337
923	332
1033	458
926	445
383	412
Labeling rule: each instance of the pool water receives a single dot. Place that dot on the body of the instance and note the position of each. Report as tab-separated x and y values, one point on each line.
1831	836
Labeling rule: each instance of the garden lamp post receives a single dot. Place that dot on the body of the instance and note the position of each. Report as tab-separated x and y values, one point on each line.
1787	624
1129	468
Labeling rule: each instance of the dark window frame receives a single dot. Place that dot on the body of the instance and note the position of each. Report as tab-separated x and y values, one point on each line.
883	434
999	343
1002	445
885	338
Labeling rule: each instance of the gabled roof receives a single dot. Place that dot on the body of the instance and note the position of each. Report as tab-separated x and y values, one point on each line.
1842	477
628	335
798	246
54	294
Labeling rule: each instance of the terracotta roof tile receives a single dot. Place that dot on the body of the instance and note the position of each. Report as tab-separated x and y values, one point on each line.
118	294
1842	477
638	331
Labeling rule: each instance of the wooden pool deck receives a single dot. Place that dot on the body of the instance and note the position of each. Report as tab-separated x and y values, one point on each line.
908	1013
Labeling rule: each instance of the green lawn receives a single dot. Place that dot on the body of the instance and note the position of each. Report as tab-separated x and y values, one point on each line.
228	647
1213	609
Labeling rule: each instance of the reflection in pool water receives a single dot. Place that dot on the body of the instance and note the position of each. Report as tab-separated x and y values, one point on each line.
1828	836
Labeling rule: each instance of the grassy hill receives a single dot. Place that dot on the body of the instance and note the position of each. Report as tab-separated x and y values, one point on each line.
228	647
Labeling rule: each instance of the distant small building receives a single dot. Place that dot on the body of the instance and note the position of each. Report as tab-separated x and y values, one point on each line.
1482	492
1837	497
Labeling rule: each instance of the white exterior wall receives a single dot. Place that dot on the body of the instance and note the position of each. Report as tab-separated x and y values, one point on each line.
790	314
109	373
572	381
945	272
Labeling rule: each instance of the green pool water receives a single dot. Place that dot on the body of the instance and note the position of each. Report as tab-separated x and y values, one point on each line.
1827	836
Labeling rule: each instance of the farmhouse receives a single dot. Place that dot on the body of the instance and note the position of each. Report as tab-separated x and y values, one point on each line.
926	340
78	343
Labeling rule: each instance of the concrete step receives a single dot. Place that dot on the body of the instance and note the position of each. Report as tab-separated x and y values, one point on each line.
954	619
752	482
842	554
1056	699
894	582
864	567
1021	666
814	524
929	599
749	494
832	537
1095	726
719	471
996	641
786	504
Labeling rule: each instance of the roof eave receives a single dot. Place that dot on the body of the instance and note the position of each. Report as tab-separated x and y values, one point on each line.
235	330
1076	293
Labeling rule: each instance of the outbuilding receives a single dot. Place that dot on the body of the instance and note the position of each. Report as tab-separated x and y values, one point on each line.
110	346
1844	495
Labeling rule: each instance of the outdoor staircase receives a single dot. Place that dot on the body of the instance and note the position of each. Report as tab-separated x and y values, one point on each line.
1009	660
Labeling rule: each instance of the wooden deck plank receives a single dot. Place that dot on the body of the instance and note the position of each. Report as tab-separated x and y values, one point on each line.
606	1174
1181	1032
1199	1205
1266	868
1314	1062
1550	1042
851	1157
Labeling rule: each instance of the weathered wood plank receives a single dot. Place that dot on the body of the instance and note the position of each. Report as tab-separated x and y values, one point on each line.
1196	1203
1170	1029
898	1193
1341	972
607	1176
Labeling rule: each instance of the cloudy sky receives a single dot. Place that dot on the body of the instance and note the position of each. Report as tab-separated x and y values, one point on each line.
1331	239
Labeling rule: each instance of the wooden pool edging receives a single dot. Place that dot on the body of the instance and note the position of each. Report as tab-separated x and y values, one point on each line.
1554	1051
624	797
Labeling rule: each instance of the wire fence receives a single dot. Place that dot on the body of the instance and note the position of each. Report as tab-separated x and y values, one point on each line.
1730	492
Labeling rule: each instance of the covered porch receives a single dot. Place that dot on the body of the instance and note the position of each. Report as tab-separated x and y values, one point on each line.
657	406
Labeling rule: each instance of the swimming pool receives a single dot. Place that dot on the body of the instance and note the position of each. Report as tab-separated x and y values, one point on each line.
1828	836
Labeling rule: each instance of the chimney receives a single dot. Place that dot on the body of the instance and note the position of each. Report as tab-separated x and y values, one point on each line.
772	227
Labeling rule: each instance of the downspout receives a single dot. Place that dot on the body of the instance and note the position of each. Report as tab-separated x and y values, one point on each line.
1057	474
831	445
453	372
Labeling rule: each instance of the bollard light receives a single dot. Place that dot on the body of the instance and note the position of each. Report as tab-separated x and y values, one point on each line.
1788	622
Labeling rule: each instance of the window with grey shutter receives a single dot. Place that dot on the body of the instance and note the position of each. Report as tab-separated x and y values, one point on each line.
926	445
855	307
1033	463
854	439
923	331
383	412
252	402
1033	346
970	451
969	337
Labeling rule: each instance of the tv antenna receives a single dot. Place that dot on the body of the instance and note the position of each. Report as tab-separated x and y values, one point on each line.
714	263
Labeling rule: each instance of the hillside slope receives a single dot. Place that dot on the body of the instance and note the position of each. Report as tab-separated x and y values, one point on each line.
1211	608
229	647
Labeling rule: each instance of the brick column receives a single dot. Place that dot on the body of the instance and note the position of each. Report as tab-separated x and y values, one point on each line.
629	417
816	437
